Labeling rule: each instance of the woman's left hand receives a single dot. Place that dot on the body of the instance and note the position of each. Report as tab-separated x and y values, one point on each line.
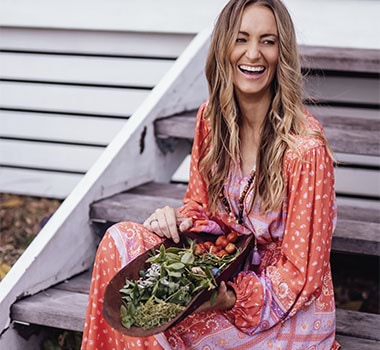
225	300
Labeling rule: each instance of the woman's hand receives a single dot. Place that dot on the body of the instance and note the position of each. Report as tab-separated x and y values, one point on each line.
167	222
225	300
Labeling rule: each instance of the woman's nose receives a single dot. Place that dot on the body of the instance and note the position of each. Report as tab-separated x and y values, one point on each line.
253	52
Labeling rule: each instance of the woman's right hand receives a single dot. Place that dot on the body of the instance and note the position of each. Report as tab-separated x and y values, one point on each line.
167	222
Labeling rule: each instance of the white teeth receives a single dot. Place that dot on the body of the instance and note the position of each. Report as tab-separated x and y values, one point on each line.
252	68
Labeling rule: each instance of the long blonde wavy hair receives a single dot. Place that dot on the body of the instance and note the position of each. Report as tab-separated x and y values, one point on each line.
285	118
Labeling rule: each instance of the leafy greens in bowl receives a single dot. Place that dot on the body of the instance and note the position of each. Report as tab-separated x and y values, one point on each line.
163	285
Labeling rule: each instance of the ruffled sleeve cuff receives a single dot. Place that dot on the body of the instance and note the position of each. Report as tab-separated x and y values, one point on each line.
246	313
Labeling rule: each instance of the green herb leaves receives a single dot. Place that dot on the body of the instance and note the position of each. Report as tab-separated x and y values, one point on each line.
174	277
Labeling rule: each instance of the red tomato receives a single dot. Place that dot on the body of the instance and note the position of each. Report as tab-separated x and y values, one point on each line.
230	248
221	241
214	249
198	249
232	237
221	253
208	245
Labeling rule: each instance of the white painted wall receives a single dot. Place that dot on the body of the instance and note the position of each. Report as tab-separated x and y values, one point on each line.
180	16
342	23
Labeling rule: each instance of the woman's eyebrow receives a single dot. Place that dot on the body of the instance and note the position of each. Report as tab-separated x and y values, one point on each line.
268	34
241	32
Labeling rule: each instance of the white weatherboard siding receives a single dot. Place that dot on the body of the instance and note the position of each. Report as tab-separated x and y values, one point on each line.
71	99
95	42
62	128
54	156
337	23
340	23
38	182
66	96
137	72
167	16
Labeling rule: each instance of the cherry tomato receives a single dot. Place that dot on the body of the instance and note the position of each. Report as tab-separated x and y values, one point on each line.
208	245
221	253
230	248
221	241
198	249
214	249
232	237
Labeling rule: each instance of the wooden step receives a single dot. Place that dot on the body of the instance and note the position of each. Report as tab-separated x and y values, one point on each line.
340	59
346	133
357	231
64	306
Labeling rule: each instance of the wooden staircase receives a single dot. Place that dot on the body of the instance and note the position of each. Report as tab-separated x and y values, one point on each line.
352	128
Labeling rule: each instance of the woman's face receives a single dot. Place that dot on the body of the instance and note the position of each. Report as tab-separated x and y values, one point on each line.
255	54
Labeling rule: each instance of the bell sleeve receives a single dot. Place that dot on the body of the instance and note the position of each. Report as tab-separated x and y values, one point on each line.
195	203
297	278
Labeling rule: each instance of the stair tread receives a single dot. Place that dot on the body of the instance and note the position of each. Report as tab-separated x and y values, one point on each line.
346	133
76	284
353	343
53	308
361	235
337	58
66	309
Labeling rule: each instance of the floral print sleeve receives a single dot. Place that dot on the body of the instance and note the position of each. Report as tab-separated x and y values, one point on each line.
195	204
299	275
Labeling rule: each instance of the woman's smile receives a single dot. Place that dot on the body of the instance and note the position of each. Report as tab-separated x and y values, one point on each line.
252	72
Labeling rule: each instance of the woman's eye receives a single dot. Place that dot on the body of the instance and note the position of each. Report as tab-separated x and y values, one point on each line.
269	42
240	40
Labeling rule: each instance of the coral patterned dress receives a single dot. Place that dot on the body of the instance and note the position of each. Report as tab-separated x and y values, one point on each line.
286	302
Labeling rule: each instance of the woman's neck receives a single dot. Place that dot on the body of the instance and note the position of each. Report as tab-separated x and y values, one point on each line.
252	116
253	113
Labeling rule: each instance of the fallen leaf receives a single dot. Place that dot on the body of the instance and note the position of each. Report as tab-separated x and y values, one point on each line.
4	268
12	203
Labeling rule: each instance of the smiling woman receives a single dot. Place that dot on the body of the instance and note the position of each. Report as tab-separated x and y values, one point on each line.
260	167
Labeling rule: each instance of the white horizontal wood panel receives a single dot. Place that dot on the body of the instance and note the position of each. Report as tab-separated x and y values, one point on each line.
347	158
343	89
94	42
357	181
348	181
357	203
171	16
48	155
349	112
64	128
70	99
37	183
83	69
315	21
183	172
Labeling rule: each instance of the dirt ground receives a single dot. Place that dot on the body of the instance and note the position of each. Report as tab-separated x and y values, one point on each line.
356	278
21	218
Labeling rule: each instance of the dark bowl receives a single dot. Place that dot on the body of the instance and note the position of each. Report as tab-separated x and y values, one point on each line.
112	296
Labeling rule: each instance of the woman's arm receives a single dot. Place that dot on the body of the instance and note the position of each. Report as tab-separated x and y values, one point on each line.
194	214
296	279
195	204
